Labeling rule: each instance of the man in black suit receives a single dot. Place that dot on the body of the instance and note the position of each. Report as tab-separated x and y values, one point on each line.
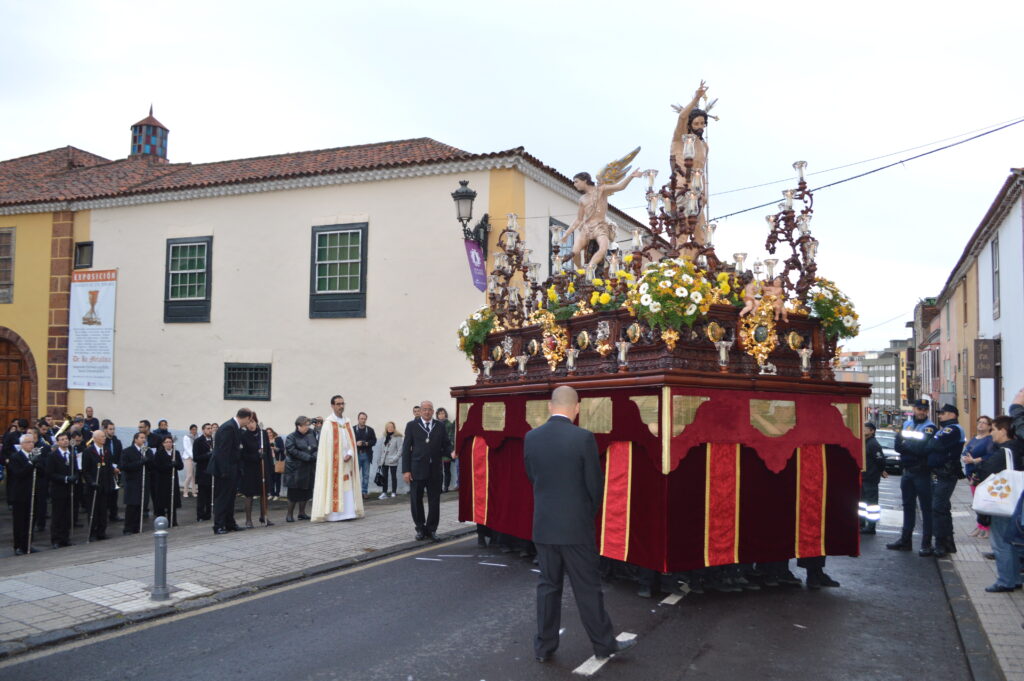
426	441
202	448
62	473
20	464
114	448
224	466
564	468
98	471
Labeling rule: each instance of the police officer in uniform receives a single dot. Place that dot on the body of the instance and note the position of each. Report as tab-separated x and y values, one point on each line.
874	470
916	483
944	461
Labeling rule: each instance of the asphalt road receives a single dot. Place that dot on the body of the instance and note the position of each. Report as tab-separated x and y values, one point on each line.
454	611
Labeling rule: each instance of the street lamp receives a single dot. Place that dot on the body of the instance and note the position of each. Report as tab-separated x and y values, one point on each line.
463	198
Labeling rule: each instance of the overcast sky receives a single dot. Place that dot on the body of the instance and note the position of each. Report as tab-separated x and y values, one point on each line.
577	84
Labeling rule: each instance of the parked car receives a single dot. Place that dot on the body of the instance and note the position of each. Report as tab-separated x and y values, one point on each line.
887	439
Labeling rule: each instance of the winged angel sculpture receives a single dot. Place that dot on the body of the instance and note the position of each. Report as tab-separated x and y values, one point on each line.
592	220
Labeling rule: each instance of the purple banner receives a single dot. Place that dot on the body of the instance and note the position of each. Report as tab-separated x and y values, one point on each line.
476	264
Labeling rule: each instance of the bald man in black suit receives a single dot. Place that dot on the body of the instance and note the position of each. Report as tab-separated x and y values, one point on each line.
564	468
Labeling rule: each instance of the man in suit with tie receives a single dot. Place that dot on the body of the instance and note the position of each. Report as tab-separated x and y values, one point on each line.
202	449
564	468
114	449
62	472
426	442
98	471
223	467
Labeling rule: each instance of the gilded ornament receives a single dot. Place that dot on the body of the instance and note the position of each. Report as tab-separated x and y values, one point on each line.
714	332
757	332
533	347
496	353
634	333
671	337
556	339
794	340
583	340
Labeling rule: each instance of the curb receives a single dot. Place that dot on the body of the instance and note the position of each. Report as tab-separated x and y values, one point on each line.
12	648
981	659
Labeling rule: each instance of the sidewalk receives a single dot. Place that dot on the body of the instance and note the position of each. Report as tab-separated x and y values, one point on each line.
52	596
1001	615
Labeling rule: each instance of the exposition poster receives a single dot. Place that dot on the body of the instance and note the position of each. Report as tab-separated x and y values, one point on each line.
91	330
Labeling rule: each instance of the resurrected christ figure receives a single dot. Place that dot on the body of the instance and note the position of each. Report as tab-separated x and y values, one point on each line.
336	485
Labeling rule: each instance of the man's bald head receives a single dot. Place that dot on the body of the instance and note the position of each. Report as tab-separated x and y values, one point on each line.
564	401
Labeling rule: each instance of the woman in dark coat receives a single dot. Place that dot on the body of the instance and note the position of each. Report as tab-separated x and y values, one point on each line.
133	461
166	463
276	455
299	467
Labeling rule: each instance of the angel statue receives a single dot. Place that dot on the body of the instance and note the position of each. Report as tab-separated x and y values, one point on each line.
592	219
692	121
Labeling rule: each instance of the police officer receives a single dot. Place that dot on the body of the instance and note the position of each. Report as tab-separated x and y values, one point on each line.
916	483
944	461
874	470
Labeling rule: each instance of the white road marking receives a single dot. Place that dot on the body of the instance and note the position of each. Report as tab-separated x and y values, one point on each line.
493	564
535	570
672	599
437	560
455	555
593	664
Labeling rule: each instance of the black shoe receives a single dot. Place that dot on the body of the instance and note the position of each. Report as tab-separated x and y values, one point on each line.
867	530
988	555
221	530
289	519
787	578
620	646
644	592
950	545
940	551
900	545
433	537
420	535
825	580
303	516
926	552
744	583
542	658
19	552
236	528
56	545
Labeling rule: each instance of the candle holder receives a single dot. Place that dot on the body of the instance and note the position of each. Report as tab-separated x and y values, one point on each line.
799	167
723	347
770	263
488	365
740	258
522	359
623	347
758	268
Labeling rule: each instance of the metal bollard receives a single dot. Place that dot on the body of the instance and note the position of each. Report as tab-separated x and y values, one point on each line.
160	591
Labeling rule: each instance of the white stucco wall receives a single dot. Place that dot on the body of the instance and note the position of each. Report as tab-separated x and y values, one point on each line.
1009	327
418	291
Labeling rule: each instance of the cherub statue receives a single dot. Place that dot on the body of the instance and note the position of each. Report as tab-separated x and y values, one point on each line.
774	292
692	120
592	219
751	292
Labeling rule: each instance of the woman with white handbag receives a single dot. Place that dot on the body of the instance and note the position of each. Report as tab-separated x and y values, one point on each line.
1001	480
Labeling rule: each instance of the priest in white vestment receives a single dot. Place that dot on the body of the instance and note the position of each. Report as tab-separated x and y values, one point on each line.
336	488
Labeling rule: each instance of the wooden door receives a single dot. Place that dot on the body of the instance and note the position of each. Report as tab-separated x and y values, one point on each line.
15	385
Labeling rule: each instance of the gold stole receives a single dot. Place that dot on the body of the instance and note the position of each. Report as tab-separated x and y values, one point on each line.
337	462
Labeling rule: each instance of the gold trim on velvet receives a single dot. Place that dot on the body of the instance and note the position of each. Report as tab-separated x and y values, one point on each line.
736	530
494	416
647	405
774	418
667	403
596	414
707	504
537	412
684	411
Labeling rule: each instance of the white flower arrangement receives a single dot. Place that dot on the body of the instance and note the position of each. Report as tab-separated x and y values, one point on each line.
681	292
655	306
646	299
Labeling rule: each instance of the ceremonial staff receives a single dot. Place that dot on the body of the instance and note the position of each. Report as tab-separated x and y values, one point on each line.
92	506
32	509
170	503
264	511
142	492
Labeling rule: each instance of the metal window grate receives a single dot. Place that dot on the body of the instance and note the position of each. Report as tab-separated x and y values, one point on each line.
6	264
246	381
338	261
187	271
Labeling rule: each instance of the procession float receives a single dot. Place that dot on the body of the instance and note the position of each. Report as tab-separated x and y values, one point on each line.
709	386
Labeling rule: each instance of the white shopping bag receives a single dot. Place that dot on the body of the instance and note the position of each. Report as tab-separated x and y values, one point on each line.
998	493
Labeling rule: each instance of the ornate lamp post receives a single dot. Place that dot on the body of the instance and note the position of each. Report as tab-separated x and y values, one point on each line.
463	197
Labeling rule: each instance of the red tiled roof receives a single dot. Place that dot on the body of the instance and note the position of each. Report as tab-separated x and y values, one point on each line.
70	174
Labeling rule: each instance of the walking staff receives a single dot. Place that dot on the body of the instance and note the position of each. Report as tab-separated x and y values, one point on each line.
32	509
264	510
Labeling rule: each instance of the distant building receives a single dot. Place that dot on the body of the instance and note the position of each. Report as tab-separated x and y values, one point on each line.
883	368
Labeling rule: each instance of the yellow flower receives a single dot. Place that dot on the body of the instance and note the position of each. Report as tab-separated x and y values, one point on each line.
572	288
725	289
552	296
593	297
622	274
580	271
628	259
629	275
723	276
605	298
598	282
